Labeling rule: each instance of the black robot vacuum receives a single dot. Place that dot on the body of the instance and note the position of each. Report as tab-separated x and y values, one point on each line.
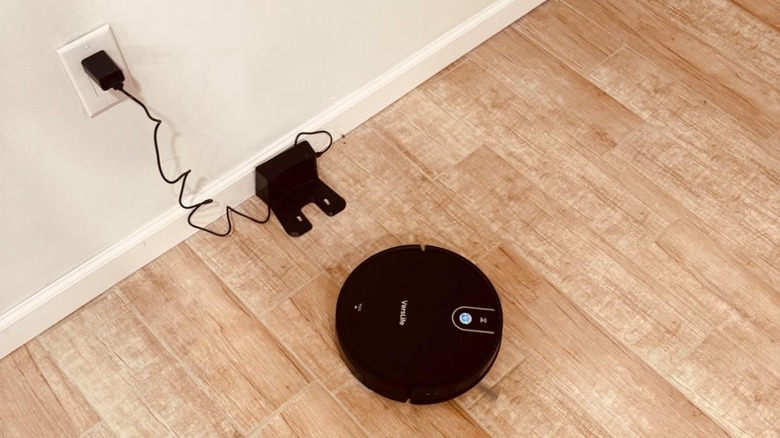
419	324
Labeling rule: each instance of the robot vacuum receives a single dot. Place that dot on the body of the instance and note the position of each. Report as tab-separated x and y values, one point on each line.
419	324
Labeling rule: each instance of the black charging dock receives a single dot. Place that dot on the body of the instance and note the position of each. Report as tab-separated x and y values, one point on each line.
418	324
290	181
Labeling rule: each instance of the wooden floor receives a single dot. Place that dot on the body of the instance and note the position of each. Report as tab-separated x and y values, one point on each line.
614	168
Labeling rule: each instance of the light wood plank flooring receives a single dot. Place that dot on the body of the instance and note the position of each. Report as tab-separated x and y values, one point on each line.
614	168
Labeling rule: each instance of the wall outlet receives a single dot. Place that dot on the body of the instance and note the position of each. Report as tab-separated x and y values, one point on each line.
93	98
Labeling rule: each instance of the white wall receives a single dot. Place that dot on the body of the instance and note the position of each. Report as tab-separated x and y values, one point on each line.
228	78
82	204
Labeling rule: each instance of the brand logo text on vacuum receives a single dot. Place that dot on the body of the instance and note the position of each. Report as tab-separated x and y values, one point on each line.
402	319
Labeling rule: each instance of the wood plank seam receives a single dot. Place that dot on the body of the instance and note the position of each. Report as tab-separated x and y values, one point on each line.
775	25
294	358
281	408
169	350
603	243
467	415
586	74
696	27
237	299
344	408
69	381
682	67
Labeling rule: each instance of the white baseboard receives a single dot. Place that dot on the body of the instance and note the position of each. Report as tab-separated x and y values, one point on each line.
87	281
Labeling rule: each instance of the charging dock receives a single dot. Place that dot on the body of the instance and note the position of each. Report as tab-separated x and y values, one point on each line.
290	181
418	324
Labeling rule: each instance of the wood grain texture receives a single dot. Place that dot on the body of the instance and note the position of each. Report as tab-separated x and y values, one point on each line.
99	430
424	132
133	383
538	78
728	28
756	302
613	166
261	276
37	399
383	417
385	163
561	30
675	108
754	100
543	320
722	156
215	346
306	323
313	413
766	11
568	253
743	395
426	211
527	403
538	155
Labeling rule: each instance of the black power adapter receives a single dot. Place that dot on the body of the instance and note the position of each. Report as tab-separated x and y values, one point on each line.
103	70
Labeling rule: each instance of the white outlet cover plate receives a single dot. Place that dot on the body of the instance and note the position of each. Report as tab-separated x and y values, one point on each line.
94	99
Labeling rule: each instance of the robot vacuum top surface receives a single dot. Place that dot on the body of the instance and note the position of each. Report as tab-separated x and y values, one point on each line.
419	323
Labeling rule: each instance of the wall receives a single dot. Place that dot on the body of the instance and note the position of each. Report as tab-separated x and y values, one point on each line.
232	80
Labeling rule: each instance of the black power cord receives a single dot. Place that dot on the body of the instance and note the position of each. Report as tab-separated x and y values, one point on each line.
103	70
318	153
183	178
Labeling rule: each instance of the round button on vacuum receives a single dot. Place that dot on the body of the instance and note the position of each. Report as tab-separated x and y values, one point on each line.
418	324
